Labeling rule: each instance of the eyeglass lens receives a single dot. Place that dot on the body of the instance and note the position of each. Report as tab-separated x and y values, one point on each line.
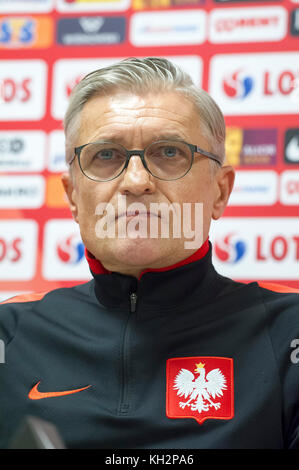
167	160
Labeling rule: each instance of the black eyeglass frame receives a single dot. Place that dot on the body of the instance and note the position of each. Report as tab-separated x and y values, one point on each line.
140	153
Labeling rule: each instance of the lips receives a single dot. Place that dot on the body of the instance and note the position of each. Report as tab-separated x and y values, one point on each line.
132	214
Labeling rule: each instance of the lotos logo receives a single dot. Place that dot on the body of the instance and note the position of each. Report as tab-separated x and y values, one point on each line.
11	249
18	242
266	82
63	257
70	250
230	249
238	85
271	248
69	85
22	89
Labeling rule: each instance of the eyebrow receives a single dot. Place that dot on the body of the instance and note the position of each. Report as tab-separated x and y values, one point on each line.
170	136
156	137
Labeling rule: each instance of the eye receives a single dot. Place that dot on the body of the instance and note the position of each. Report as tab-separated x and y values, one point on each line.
106	154
170	151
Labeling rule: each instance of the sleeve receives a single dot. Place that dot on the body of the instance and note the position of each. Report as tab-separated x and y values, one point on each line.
283	314
8	323
10	310
293	441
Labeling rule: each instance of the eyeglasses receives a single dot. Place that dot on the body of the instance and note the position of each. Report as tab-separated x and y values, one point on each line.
166	159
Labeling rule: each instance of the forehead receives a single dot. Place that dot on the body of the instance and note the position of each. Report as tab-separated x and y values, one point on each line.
125	116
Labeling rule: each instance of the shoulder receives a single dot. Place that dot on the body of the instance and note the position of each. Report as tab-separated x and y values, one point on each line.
24	298
274	304
33	297
24	307
282	309
281	305
278	288
280	299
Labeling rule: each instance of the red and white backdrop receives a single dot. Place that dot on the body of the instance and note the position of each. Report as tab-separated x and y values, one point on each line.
245	53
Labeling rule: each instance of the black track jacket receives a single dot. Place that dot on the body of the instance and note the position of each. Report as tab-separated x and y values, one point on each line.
179	359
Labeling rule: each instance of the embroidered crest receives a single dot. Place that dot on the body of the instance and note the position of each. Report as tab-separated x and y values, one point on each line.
200	388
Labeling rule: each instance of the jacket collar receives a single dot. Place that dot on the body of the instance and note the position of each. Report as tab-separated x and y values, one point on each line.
157	289
96	266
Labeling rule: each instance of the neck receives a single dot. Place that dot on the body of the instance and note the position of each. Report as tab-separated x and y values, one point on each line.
97	267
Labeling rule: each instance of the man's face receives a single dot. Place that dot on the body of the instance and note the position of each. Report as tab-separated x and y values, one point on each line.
135	122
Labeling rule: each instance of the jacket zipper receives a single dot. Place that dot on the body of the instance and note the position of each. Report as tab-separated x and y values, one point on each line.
124	401
133	302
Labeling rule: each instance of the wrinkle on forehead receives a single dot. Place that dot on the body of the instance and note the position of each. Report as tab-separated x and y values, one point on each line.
170	104
123	134
142	107
122	113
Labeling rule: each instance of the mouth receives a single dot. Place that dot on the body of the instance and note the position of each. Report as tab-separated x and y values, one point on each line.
132	214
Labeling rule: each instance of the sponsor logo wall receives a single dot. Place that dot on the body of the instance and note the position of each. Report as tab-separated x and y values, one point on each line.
244	53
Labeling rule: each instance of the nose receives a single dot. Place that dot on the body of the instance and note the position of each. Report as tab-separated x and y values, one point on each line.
136	179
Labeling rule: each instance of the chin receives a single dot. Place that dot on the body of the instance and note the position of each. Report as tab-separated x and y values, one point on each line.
140	253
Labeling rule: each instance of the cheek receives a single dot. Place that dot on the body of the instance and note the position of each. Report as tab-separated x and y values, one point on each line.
89	195
85	205
197	191
193	189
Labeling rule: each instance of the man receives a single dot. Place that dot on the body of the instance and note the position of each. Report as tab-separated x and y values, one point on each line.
157	350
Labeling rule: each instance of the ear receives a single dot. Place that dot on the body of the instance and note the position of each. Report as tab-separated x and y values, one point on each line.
225	178
71	193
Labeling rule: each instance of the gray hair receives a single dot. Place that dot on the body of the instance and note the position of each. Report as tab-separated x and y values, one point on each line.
141	76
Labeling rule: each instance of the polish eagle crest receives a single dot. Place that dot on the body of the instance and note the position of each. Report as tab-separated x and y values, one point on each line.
202	391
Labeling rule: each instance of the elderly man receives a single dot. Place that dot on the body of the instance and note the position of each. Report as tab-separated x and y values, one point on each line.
157	350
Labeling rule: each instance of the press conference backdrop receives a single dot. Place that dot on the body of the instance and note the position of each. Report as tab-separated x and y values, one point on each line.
245	53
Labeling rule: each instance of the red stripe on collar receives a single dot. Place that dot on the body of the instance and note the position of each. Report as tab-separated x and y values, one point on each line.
97	267
94	264
200	253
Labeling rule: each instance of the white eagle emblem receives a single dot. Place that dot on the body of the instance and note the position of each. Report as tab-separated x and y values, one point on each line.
200	389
